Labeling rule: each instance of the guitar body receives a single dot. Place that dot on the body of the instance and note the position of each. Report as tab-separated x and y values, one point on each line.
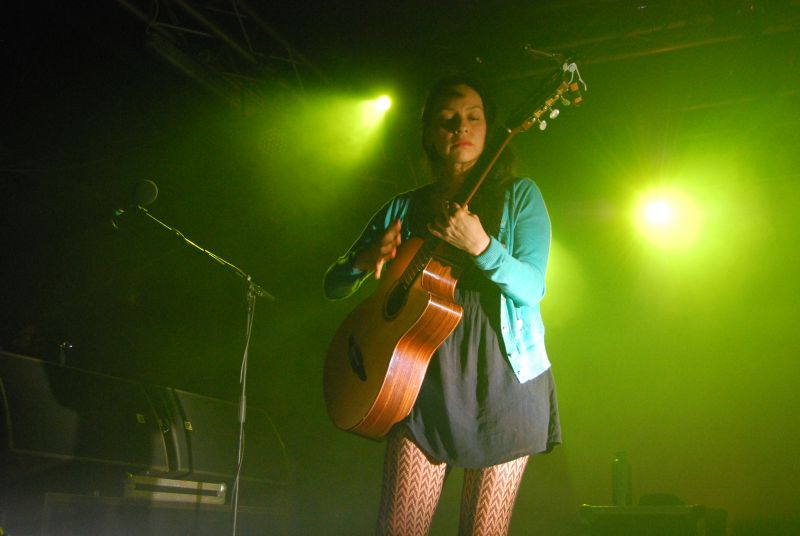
378	357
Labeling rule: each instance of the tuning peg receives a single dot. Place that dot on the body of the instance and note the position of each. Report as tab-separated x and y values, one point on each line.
565	101
554	113
542	124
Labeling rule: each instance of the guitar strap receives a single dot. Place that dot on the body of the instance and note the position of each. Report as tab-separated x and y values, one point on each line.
420	211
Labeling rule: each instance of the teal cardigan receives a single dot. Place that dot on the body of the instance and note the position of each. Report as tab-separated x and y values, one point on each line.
515	261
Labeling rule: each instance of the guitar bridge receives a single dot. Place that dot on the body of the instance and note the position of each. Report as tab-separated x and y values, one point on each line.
356	359
395	302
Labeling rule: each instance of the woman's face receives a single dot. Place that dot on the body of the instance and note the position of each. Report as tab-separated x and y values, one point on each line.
457	130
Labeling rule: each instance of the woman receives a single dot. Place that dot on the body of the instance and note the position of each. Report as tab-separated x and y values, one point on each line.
488	399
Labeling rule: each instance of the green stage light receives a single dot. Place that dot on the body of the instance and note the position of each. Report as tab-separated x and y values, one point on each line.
659	213
383	103
373	111
337	132
667	218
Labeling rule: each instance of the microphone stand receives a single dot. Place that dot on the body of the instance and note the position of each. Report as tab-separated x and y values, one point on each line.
254	291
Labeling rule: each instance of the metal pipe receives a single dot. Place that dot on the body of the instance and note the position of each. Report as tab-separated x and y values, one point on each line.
214	29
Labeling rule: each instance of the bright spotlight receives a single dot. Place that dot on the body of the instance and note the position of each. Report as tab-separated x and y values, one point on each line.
668	218
373	110
383	103
658	213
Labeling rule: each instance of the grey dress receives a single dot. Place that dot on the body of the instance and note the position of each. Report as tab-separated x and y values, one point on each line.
472	411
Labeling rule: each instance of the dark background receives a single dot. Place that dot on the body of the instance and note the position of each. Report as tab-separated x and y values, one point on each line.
685	359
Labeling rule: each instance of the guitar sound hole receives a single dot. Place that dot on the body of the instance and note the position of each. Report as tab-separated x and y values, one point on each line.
395	301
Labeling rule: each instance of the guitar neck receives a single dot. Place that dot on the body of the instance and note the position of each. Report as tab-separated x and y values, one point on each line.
430	245
433	246
470	188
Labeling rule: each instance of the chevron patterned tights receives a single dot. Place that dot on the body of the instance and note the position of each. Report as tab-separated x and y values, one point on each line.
412	485
488	498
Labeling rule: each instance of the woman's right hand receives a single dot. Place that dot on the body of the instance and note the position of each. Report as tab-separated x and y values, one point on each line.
373	258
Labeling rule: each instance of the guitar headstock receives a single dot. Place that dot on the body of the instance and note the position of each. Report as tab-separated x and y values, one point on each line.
563	87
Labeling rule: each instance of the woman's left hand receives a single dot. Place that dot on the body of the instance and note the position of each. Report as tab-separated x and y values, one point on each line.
459	227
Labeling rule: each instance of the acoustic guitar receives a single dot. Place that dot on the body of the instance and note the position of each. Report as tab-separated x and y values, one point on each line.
377	359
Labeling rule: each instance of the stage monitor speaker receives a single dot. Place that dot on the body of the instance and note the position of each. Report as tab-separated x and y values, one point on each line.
65	414
74	431
211	429
679	520
72	515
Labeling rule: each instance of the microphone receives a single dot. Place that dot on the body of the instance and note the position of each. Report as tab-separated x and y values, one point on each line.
144	194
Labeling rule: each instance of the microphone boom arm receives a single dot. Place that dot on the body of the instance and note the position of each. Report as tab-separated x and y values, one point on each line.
254	288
